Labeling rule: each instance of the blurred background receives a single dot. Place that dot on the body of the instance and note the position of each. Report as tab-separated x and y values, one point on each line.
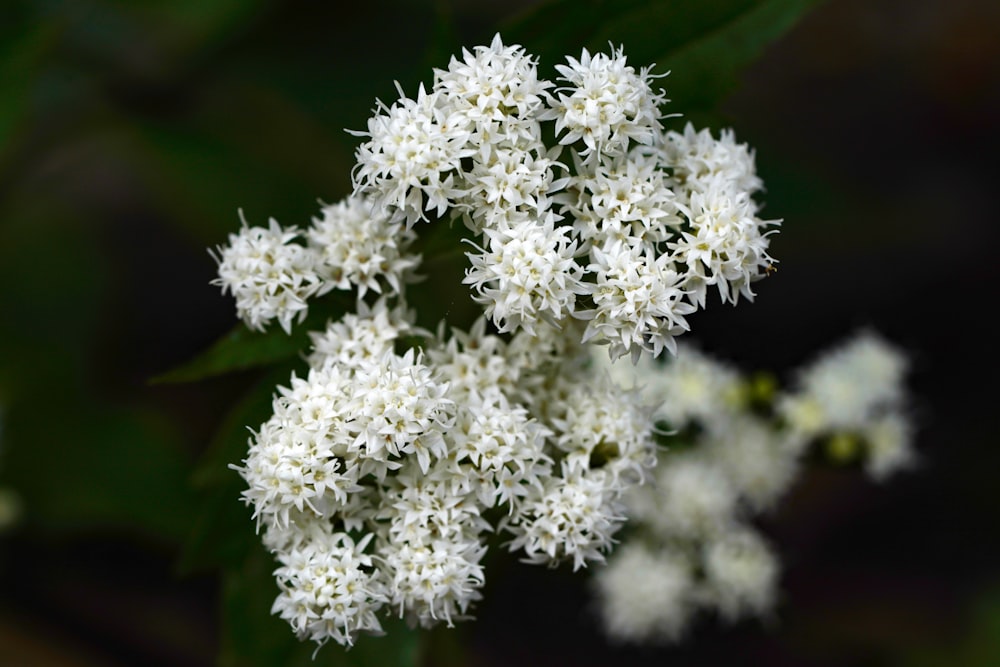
130	134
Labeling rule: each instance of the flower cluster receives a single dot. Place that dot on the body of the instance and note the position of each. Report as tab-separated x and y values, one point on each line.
740	447
390	462
380	473
853	398
352	245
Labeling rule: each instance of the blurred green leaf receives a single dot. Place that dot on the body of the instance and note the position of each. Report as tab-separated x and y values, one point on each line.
978	645
197	21
240	349
706	68
232	147
704	46
222	532
21	55
40	297
97	467
150	39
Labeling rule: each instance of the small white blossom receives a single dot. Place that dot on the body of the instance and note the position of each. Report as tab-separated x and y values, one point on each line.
509	181
299	459
605	104
527	274
689	387
625	199
269	276
410	163
574	518
755	459
474	362
358	246
727	243
645	596
496	91
638	301
689	497
504	445
741	573
601	424
329	590
435	579
856	390
362	336
398	409
430	547
697	159
889	439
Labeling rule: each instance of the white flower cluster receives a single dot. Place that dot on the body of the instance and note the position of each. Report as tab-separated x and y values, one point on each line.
379	473
739	447
388	463
621	224
352	245
385	465
853	397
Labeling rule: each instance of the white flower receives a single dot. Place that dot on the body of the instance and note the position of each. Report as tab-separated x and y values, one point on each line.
741	572
889	439
726	245
625	198
688	387
430	547
853	383
269	276
329	590
410	163
689	497
421	442
496	90
397	409
473	362
362	336
299	459
638	303
756	460
697	159
605	104
358	246
509	180
503	444
602	425
528	273
435	579
644	596
573	519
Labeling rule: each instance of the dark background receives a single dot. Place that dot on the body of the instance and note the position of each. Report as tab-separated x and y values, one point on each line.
130	141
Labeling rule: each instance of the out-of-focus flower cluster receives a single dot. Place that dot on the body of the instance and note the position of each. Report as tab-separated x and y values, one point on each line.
386	466
740	444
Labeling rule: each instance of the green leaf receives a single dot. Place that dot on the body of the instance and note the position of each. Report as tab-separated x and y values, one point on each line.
222	532
251	636
704	46
704	70
203	168
99	467
21	56
240	349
